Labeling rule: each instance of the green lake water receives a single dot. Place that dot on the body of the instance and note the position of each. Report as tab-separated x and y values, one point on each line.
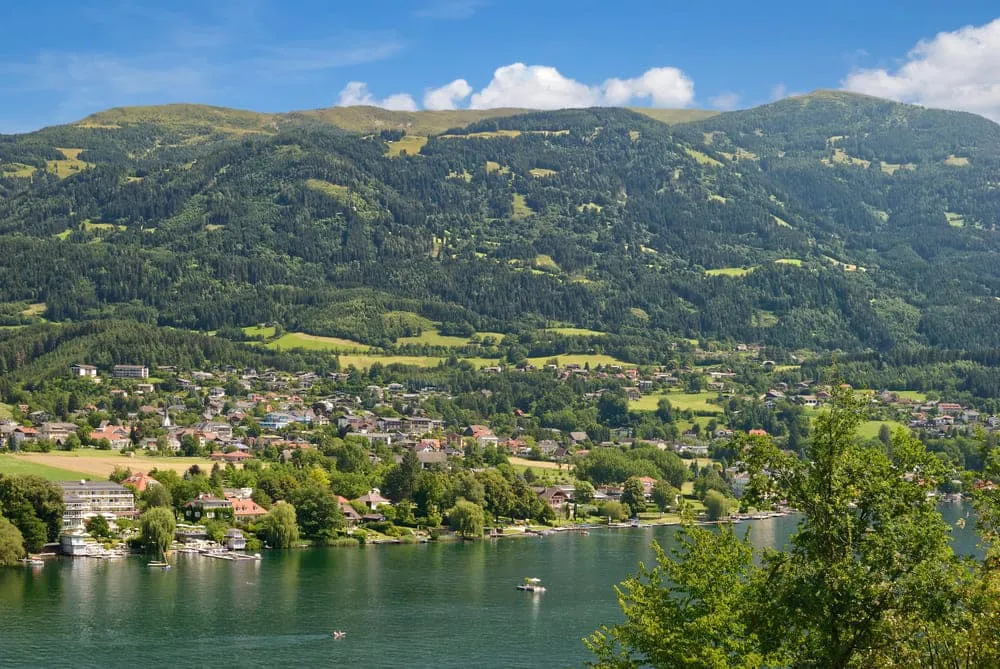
431	605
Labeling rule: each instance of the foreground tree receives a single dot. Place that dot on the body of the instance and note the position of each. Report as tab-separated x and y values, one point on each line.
868	581
279	527
11	543
35	506
157	529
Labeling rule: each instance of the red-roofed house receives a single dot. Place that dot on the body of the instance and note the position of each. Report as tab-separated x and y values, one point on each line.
140	481
351	514
246	509
115	434
235	456
757	433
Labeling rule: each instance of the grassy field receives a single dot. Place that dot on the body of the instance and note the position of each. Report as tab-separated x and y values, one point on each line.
492	166
682	401
576	332
36	309
490	134
703	158
366	360
955	220
69	165
17	170
17	464
265	331
410	143
870	428
545	262
315	343
956	161
98	464
789	261
581	359
674	116
780	221
432	337
90	226
523	462
729	271
521	208
542	172
914	395
589	206
6	411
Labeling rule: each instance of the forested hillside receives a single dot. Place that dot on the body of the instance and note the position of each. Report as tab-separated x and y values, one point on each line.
829	221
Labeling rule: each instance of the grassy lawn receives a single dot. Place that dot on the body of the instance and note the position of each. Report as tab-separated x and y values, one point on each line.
789	261
576	332
914	395
19	170
410	143
955	220
956	161
703	158
545	262
581	359
6	410
69	165
16	464
729	271
682	401
36	309
541	172
315	343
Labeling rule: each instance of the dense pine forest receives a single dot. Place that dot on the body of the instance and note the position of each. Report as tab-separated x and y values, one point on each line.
825	222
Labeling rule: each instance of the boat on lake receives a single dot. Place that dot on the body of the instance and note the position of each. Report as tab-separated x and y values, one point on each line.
532	585
156	564
338	634
33	561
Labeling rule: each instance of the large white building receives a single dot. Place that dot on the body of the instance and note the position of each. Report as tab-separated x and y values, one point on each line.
131	372
86	499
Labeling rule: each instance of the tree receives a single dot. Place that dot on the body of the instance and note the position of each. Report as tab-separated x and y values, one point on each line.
687	612
664	495
35	506
583	493
318	513
634	496
467	519
614	510
98	527
157	527
155	495
401	480
280	527
11	543
119	474
216	530
612	408
716	505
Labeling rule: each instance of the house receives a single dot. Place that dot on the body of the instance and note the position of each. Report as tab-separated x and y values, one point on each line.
86	499
130	372
647	485
430	459
84	370
234	457
373	499
351	514
208	506
554	496
234	541
140	481
245	508
579	437
757	433
116	435
57	432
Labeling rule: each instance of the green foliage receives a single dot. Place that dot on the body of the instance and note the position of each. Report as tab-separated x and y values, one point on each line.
467	519
157	527
616	511
633	496
717	505
35	506
318	513
11	543
98	527
279	528
155	495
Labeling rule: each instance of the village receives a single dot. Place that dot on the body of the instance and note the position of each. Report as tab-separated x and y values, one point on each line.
240	423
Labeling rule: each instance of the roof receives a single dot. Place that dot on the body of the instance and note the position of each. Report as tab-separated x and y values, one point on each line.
88	486
246	507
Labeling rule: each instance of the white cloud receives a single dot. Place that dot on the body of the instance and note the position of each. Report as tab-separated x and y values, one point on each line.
954	70
356	93
726	101
544	87
447	96
779	92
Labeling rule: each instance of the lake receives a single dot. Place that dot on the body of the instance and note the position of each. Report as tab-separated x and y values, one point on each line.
429	605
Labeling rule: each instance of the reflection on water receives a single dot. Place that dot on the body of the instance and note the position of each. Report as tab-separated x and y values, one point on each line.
442	605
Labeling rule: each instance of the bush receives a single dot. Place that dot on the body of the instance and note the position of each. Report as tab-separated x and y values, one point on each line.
614	510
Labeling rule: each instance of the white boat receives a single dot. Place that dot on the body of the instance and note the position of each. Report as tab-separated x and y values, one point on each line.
33	562
532	585
337	634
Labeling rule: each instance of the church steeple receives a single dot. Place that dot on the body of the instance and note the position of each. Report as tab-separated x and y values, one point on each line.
166	417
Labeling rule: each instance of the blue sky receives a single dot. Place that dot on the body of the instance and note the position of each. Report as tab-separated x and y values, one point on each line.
67	58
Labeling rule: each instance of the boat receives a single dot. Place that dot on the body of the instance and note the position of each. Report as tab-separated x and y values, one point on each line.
532	585
33	562
337	634
157	564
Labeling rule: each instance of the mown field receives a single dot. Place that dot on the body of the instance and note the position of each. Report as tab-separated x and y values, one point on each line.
19	465
86	463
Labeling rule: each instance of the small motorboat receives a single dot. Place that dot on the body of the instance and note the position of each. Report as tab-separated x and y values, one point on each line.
532	585
33	561
337	634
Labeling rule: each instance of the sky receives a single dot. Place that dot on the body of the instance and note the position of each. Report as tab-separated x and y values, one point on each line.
65	59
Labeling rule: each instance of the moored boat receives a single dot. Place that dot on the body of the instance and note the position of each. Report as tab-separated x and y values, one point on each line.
532	585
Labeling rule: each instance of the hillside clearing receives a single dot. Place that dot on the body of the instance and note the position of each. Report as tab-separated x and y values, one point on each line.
955	220
729	271
99	464
581	359
697	402
432	337
411	144
19	170
18	465
956	161
521	208
576	332
542	172
314	343
702	158
796	262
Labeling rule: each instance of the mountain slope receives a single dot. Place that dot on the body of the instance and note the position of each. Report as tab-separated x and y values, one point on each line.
828	221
